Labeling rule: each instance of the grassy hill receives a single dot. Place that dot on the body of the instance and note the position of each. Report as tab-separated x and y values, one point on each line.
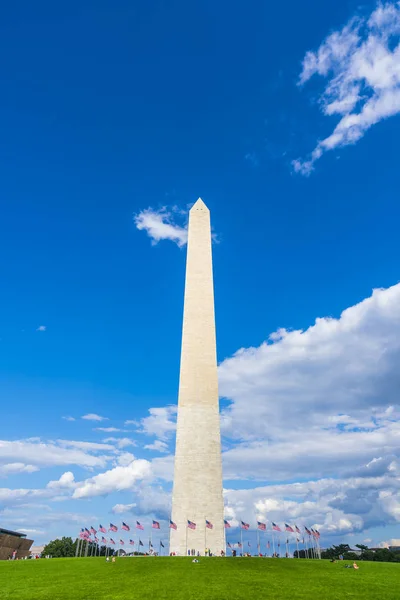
212	579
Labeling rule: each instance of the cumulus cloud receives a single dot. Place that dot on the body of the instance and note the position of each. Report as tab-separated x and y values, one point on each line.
94	417
158	446
41	328
69	418
339	374
161	422
120	509
66	482
324	403
17	467
361	63
333	506
117	479
159	225
150	500
389	543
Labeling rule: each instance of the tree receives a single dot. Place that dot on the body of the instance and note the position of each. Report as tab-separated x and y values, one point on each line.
60	548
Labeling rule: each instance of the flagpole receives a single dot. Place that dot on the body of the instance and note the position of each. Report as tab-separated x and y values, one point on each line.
205	537
258	541
241	538
273	545
186	537
150	544
297	546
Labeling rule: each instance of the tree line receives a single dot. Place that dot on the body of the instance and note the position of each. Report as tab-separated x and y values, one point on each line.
65	547
376	555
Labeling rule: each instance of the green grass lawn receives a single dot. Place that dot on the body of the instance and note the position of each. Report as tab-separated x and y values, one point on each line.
212	579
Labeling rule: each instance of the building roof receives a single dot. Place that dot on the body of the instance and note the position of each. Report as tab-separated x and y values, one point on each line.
9	532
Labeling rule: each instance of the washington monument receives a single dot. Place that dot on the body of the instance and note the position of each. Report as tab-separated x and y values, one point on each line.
197	492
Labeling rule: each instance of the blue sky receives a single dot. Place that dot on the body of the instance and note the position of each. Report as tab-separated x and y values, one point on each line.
114	118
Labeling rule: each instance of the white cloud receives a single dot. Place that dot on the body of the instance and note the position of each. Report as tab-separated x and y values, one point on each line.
94	417
161	422
107	429
17	467
333	506
69	418
117	479
47	454
120	509
158	446
362	64
132	422
159	225
41	328
121	442
66	482
337	376
388	543
31	531
89	446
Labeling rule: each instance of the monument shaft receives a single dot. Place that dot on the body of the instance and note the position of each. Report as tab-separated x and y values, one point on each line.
197	492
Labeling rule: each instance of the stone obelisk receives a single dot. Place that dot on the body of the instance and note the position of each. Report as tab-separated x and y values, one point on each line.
197	491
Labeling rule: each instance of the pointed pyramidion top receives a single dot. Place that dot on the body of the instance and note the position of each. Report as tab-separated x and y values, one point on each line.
199	205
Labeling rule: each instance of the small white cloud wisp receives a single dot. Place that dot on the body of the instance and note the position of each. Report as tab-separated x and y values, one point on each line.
160	225
361	63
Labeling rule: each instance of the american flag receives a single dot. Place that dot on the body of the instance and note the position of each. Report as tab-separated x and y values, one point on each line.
226	524
288	528
229	545
317	533
102	529
87	531
125	527
248	543
121	542
96	539
113	527
297	529
93	530
140	543
156	525
139	526
162	545
112	541
275	527
307	530
191	525
132	542
209	525
172	525
83	535
103	540
245	525
239	545
261	526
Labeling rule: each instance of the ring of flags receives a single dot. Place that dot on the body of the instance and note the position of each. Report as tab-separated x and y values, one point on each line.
312	533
